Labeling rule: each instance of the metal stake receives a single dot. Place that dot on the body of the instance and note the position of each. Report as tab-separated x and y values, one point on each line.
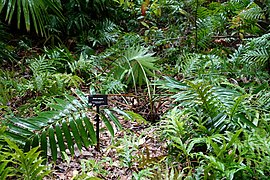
97	128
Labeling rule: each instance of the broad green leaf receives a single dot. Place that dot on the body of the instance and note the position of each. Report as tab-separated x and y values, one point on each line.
90	129
52	143
108	124
60	138
76	134
43	144
68	137
35	141
83	132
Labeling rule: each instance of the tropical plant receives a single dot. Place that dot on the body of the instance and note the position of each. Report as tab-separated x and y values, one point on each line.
29	164
61	128
230	155
31	11
91	169
14	163
223	108
134	68
105	33
135	65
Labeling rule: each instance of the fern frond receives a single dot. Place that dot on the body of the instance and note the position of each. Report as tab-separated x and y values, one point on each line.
254	13
41	65
223	108
254	55
261	56
105	33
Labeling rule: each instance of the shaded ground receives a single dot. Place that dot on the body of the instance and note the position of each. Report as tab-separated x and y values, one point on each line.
133	149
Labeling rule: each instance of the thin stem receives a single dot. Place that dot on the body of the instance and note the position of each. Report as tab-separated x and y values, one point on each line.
196	26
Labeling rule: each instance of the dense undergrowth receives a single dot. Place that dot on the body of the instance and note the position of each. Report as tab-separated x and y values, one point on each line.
196	72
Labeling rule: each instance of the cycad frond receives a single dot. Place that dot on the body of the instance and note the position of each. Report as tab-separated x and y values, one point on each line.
201	66
61	128
200	94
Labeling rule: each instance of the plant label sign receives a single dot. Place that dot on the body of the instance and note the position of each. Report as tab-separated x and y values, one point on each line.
98	100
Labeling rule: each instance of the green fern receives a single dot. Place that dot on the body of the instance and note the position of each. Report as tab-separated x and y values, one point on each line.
253	57
260	56
41	65
223	108
61	128
105	33
252	13
29	164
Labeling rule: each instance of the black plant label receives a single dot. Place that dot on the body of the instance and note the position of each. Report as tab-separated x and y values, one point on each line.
98	100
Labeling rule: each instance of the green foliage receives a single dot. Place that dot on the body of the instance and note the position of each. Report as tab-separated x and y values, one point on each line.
230	155
54	71
127	151
90	169
14	163
216	123
206	67
252	58
29	165
32	12
5	170
256	53
61	128
135	66
222	108
105	33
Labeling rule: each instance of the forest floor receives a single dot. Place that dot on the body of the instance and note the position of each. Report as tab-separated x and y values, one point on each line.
137	146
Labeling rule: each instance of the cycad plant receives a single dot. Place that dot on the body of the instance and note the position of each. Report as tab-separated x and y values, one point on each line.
61	128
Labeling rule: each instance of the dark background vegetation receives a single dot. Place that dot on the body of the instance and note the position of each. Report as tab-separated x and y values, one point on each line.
194	72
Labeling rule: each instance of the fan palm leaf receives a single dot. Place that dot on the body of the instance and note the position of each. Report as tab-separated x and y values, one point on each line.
135	66
32	11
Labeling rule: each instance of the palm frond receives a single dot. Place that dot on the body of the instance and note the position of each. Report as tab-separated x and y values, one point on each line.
135	66
32	12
